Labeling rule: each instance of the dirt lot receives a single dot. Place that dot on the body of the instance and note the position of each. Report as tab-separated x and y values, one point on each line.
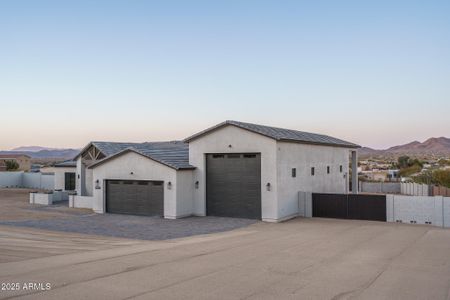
299	259
14	205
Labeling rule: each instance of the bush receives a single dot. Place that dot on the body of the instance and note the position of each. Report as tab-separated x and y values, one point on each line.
11	165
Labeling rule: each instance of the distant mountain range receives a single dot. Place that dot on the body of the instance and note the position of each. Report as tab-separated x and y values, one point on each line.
432	147
33	148
38	152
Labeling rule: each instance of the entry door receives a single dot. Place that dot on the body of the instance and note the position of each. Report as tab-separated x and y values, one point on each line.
233	185
135	197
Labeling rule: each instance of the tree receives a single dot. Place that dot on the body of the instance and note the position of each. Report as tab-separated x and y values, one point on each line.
11	165
403	162
442	177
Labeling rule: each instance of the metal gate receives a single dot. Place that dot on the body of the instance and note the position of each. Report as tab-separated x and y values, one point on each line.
351	206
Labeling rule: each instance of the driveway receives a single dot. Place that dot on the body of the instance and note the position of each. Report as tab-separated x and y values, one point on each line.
16	211
298	259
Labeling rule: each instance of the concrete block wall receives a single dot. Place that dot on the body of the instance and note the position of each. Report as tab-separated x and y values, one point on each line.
41	198
418	210
415	189
81	201
11	179
38	181
27	180
380	187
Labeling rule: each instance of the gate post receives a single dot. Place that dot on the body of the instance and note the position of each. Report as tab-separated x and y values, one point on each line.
354	172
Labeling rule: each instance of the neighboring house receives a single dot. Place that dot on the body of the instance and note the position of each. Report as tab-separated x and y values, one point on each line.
2	166
23	160
233	169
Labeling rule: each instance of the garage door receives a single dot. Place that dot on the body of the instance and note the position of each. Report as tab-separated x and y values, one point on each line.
135	197
233	185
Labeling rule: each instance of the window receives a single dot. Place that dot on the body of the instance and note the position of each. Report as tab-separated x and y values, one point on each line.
312	171
234	156
69	181
218	156
294	172
340	168
328	169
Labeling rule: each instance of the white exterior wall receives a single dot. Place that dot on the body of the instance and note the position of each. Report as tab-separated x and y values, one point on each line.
185	193
60	176
303	157
241	141
78	177
143	169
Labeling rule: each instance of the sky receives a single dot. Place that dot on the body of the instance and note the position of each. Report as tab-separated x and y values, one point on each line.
376	73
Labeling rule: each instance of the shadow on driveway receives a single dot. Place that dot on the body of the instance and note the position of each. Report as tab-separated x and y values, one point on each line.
135	227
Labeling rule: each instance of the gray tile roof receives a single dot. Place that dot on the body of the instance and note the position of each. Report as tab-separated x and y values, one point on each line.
281	134
174	154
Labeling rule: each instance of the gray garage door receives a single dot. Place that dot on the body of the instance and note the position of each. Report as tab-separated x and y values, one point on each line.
233	185
135	197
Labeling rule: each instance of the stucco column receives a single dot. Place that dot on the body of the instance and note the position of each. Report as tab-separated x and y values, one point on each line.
354	172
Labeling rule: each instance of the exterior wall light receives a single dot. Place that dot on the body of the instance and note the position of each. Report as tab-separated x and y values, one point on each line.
268	187
196	184
97	184
229	146
169	185
131	173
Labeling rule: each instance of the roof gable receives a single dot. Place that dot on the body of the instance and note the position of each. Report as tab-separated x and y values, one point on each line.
280	134
172	154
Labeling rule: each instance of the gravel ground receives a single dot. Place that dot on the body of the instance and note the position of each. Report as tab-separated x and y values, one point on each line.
15	210
135	227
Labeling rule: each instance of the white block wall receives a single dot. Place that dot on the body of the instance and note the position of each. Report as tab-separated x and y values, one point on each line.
81	201
415	189
418	209
27	180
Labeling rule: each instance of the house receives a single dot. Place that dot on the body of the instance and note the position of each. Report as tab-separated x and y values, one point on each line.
65	173
233	169
23	160
2	166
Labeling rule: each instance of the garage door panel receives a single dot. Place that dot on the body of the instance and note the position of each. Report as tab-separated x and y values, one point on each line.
234	185
135	197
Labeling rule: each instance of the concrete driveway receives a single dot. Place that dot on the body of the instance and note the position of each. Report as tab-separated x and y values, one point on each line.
298	259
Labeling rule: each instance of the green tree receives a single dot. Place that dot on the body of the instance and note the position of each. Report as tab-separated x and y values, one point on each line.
442	177
11	165
403	162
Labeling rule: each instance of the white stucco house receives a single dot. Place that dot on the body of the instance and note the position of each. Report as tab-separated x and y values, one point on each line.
233	169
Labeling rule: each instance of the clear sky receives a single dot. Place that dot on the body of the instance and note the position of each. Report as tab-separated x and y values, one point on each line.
372	72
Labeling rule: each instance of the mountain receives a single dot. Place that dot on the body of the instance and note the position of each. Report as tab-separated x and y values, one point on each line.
32	148
434	147
47	154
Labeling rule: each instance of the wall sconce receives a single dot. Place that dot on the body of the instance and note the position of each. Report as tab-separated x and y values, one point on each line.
131	173
97	184
229	146
196	184
268	186
169	185
78	176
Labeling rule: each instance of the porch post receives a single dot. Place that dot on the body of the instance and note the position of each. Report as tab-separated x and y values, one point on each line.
354	172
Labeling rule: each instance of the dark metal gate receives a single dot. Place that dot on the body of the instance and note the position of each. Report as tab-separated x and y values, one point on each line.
351	206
